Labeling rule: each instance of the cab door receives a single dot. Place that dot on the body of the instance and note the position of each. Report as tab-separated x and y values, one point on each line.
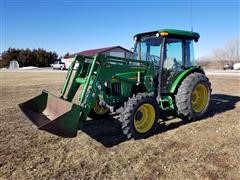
176	58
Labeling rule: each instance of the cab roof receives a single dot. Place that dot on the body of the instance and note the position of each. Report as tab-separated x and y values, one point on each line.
175	33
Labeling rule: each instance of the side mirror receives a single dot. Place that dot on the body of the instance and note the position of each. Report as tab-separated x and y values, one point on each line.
132	49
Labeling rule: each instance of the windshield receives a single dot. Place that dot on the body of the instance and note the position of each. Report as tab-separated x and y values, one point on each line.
148	48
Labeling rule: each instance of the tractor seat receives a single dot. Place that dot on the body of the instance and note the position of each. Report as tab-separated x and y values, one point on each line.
168	63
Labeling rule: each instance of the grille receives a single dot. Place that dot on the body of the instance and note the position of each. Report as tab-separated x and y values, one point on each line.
116	89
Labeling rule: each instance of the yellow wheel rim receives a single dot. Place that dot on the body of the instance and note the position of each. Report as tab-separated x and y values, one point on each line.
144	118
199	98
99	109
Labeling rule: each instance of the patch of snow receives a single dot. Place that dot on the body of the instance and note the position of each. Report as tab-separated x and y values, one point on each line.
28	67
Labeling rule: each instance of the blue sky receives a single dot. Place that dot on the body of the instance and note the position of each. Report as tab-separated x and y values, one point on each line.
73	26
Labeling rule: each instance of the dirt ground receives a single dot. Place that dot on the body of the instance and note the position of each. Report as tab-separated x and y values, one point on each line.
205	149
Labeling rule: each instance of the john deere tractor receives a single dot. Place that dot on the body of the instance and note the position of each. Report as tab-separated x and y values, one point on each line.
161	76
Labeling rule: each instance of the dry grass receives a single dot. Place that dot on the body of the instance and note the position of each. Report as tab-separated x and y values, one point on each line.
206	149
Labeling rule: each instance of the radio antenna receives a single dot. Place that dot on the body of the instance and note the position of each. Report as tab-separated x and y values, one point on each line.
191	14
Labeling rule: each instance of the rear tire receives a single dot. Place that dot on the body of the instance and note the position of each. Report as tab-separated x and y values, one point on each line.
140	116
193	97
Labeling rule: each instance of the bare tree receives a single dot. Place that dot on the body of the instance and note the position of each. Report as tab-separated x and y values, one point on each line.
230	53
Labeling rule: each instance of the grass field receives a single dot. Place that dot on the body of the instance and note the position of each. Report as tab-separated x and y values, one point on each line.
205	149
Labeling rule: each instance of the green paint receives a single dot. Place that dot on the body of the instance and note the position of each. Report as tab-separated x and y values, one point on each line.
167	103
173	33
182	75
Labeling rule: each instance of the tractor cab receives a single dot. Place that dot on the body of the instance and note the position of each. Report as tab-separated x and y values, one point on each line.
171	52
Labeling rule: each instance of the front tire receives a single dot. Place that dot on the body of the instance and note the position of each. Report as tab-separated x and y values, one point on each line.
140	116
193	96
98	112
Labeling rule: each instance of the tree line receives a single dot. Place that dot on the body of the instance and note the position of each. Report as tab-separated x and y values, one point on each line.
26	57
229	54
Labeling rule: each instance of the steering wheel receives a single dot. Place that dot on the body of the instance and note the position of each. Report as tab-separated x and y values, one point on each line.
155	59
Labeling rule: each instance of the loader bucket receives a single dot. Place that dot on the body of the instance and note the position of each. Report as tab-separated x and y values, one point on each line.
53	114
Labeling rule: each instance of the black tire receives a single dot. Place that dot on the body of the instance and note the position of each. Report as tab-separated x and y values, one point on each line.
131	110
185	97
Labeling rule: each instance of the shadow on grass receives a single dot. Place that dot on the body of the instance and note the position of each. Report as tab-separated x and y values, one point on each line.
221	103
108	131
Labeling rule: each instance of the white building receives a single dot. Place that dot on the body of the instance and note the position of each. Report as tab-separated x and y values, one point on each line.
116	51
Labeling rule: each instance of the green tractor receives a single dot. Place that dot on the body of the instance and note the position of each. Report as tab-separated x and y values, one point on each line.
161	76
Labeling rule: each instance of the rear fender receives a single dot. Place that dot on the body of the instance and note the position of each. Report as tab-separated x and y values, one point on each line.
176	83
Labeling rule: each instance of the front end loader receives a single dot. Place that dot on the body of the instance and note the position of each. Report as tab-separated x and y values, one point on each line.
160	76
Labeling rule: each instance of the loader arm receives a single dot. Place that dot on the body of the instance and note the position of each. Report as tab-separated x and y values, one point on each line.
93	79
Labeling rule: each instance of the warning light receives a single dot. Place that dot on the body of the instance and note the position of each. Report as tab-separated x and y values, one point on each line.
163	33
